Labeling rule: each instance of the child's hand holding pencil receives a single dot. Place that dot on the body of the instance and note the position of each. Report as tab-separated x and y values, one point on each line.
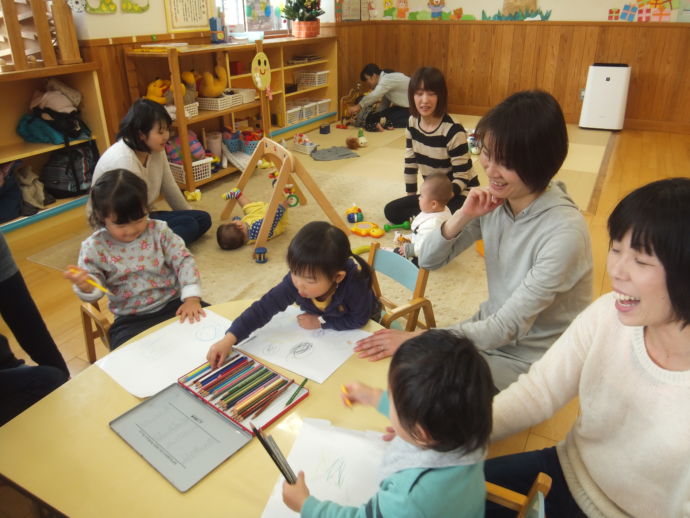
82	280
356	392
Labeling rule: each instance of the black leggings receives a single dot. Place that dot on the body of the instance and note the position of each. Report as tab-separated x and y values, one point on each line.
397	116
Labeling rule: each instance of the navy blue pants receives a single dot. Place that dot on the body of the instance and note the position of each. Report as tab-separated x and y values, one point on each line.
129	326
518	472
396	116
190	225
21	387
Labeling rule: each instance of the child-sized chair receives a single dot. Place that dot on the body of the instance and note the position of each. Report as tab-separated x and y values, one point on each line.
403	272
96	325
526	506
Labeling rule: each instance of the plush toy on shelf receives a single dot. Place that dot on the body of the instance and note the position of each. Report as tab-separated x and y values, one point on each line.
211	86
155	91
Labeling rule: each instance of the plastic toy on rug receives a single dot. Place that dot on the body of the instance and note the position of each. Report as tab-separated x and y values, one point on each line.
302	143
361	139
405	225
367	228
193	196
354	214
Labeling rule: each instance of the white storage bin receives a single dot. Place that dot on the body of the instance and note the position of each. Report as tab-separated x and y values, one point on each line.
248	94
311	79
294	115
215	103
190	110
201	169
323	106
308	109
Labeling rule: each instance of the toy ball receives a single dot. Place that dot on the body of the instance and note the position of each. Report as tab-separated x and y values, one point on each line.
354	214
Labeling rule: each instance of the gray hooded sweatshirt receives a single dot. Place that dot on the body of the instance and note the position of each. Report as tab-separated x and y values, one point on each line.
539	271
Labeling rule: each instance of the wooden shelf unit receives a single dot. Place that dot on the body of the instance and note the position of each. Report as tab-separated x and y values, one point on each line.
144	65
16	91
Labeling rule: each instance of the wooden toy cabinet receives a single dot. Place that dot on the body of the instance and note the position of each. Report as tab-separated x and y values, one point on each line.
316	78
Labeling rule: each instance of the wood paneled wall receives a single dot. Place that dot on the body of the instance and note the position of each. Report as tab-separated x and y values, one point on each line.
486	61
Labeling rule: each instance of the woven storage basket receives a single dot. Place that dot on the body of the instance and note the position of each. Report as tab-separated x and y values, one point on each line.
201	169
294	114
323	106
215	103
250	147
248	94
190	110
311	79
308	109
304	148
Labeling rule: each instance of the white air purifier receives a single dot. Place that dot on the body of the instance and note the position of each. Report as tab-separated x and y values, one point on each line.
606	94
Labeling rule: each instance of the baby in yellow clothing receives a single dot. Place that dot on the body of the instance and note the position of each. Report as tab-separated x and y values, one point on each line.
245	230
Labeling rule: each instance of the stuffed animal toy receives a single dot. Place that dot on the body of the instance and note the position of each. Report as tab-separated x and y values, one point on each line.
156	90
213	86
191	80
173	148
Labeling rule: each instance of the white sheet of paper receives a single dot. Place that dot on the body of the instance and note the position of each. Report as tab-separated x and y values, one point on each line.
147	366
340	465
313	354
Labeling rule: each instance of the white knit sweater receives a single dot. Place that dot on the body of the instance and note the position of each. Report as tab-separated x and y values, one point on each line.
628	453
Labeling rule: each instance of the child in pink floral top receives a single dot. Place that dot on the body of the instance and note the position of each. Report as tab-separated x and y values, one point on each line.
148	270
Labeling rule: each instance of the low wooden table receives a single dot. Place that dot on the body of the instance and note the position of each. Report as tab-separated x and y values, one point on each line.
62	450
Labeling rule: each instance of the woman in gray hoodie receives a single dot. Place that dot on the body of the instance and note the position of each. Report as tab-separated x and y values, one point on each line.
537	247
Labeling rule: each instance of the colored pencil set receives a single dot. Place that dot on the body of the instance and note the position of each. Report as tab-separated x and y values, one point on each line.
240	388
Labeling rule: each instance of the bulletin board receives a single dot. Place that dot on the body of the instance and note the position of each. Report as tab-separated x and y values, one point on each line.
352	10
187	15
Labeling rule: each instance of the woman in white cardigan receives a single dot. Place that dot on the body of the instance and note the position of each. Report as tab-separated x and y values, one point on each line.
627	357
140	148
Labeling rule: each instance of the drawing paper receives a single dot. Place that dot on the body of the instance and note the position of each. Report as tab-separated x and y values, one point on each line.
340	465
313	354
148	365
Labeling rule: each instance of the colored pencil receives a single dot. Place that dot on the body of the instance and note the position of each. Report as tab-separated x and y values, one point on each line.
343	389
92	282
294	394
276	455
270	400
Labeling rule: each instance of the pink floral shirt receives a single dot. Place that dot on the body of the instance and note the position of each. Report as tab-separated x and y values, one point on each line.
143	275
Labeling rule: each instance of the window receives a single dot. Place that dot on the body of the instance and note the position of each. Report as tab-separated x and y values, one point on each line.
253	15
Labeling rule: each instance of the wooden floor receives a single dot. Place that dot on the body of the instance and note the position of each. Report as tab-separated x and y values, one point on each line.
636	158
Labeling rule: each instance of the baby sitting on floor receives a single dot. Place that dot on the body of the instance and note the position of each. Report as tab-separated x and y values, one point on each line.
245	230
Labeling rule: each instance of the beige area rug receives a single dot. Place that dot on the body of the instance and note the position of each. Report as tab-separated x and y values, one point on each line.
369	182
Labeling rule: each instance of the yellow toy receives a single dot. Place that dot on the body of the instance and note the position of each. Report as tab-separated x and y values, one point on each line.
367	228
354	214
156	89
211	86
361	249
193	196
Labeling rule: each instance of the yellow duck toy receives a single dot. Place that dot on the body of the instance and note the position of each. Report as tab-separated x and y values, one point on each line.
213	86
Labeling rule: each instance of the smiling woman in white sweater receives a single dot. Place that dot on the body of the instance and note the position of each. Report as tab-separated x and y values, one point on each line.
140	148
627	357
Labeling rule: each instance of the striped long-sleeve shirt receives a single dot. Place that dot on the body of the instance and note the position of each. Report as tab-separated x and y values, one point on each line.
443	150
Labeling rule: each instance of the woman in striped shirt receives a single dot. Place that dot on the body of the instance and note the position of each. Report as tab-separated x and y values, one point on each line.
434	144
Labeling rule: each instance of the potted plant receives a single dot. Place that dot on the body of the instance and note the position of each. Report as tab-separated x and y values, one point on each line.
304	15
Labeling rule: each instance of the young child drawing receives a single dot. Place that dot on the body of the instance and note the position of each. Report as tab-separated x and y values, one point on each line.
239	232
150	274
439	403
434	143
434	196
329	283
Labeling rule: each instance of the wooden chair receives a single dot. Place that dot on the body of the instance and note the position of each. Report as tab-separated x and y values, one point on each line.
407	274
96	325
526	506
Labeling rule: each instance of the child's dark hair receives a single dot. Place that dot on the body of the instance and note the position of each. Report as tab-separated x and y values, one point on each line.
140	120
440	187
657	215
369	70
229	237
430	79
320	247
441	383
526	133
120	195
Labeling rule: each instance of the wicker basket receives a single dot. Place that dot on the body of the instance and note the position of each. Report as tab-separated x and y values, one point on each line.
190	110
308	109
201	169
215	103
304	148
294	114
248	94
311	79
250	147
323	106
